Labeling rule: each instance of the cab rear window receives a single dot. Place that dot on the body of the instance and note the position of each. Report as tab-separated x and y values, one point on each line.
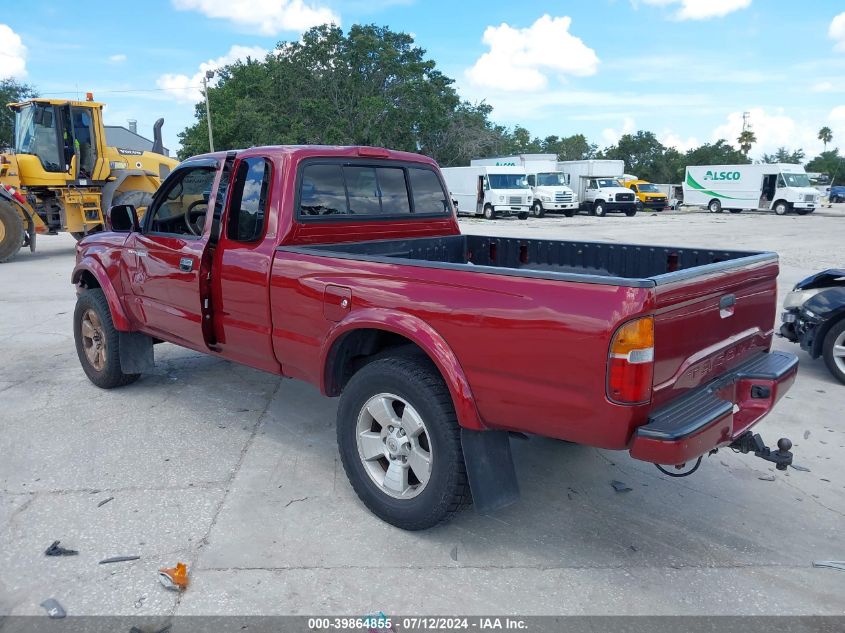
369	191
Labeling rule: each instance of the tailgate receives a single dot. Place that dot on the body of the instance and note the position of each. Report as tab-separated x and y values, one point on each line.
707	324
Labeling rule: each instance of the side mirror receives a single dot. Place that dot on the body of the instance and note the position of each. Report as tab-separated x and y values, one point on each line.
122	218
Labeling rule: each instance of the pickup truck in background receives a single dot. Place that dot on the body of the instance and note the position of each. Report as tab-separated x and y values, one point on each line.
345	267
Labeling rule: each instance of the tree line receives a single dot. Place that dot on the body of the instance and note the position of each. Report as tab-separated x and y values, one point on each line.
374	86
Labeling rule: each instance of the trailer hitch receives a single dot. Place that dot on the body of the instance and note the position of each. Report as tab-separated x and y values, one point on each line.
750	442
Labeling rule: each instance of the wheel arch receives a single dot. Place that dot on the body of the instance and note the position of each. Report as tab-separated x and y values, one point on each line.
835	317
129	180
369	333
90	274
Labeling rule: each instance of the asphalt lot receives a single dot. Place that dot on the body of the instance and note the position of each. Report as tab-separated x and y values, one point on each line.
236	473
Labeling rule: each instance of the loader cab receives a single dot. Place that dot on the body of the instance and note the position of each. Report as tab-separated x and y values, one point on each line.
66	137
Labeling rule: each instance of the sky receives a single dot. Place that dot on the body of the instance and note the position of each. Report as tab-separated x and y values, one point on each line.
684	69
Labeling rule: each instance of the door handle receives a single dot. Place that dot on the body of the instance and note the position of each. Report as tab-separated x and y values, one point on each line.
186	264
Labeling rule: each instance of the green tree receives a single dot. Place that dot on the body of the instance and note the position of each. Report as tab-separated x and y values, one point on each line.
746	139
825	136
369	86
643	155
10	92
783	155
829	162
575	147
718	153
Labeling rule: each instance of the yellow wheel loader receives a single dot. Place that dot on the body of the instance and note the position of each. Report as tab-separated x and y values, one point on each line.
61	175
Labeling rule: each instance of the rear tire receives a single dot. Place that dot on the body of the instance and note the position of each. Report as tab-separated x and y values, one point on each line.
415	397
835	339
489	214
11	231
138	199
631	213
715	206
522	216
537	209
98	342
569	212
735	210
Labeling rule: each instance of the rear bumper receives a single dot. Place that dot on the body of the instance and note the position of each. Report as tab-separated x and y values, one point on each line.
715	414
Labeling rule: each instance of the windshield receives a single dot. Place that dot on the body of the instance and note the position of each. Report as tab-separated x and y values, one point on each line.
553	179
648	188
35	133
796	180
608	182
507	181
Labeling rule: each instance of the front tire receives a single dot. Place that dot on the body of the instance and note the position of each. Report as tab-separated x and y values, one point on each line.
569	212
833	350
781	207
11	232
537	209
522	216
98	342
631	212
489	214
399	443
599	210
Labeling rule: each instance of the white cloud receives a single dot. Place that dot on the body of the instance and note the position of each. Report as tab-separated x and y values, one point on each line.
266	17
611	136
822	86
519	59
188	89
702	9
836	32
671	139
776	129
117	59
12	54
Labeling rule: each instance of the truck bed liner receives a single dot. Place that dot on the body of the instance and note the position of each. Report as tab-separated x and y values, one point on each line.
590	262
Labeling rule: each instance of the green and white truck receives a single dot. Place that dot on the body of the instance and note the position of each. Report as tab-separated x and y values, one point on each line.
779	187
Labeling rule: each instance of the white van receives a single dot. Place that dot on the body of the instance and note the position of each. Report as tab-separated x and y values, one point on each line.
779	187
548	184
598	186
489	191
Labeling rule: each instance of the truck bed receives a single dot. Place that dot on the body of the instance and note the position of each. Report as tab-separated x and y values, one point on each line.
590	262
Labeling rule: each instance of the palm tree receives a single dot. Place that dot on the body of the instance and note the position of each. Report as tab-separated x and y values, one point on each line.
746	139
825	136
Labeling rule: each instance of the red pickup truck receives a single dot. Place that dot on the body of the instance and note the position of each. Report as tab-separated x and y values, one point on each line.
345	267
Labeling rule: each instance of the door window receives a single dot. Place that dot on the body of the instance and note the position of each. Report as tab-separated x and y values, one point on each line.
248	206
180	208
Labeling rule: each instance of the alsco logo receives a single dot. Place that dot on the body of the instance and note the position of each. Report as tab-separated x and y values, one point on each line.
721	175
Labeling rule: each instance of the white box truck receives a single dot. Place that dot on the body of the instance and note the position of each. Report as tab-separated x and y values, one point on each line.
597	184
779	187
548	185
489	190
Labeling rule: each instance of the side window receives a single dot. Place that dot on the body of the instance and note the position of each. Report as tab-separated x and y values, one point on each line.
531	180
248	204
634	188
591	185
428	193
323	191
181	207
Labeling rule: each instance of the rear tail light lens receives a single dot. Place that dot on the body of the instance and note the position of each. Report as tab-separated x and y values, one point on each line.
630	365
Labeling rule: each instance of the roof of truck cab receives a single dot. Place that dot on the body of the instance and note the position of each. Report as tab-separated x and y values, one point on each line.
300	152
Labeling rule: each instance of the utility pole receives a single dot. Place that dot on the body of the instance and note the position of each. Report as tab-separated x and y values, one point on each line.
209	74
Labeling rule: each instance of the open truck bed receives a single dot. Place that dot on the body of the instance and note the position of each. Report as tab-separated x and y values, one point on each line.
588	262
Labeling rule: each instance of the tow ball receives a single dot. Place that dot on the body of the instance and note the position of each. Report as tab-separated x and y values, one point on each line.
750	442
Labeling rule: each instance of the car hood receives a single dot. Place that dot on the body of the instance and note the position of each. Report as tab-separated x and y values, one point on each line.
824	279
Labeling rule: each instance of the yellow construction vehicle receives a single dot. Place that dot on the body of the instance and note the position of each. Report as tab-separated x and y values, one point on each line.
61	175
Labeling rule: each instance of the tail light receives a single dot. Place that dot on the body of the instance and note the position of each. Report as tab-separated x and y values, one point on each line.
630	363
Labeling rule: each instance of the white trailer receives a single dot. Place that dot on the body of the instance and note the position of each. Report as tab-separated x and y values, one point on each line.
489	190
548	185
779	187
597	185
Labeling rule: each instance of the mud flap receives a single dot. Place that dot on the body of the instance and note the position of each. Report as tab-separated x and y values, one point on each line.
136	353
490	470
